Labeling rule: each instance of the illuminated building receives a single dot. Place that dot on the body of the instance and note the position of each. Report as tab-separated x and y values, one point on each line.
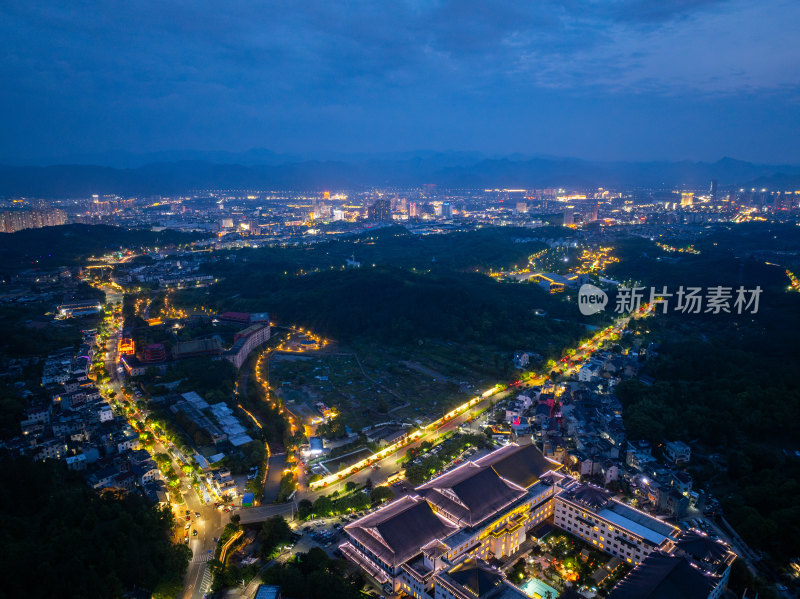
79	309
380	211
592	216
480	509
687	198
16	220
485	510
125	346
246	341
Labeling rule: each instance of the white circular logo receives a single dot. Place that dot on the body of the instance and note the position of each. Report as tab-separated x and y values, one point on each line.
591	299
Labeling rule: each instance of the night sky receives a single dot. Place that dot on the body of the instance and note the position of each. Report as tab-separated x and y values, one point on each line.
599	79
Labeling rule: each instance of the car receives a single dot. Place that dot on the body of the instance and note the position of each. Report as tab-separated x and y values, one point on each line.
188	526
197	514
194	532
188	518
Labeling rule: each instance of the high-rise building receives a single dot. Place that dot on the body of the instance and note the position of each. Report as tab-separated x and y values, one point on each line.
380	211
687	198
592	213
16	220
569	215
713	190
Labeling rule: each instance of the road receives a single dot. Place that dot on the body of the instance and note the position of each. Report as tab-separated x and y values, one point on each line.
211	522
250	515
208	526
392	463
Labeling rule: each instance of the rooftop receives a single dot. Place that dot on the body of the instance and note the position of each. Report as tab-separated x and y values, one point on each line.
663	576
522	465
398	531
704	549
476	579
639	523
470	492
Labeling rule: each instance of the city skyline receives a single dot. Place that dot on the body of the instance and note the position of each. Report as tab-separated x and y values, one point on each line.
423	299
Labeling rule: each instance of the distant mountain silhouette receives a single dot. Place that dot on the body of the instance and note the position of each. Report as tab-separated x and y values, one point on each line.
447	170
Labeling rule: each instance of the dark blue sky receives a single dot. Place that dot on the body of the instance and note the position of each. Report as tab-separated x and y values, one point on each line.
599	79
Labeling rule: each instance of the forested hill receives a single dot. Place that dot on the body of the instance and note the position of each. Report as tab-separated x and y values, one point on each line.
482	249
728	386
397	307
66	245
61	539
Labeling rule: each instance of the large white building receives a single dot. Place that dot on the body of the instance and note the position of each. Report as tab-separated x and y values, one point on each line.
246	341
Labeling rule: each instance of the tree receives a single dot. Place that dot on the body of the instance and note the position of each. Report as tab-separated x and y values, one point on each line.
274	533
287	487
304	508
380	494
517	572
323	506
121	538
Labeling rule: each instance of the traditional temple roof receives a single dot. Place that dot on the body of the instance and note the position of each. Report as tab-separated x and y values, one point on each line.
397	532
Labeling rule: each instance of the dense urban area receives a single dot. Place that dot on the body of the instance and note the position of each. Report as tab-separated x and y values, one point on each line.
402	393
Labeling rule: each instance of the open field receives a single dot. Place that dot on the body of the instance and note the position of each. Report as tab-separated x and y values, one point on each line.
372	384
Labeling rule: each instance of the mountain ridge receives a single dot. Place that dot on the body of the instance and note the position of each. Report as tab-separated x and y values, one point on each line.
446	170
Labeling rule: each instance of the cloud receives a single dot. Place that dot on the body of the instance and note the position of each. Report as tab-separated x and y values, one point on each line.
204	70
269	48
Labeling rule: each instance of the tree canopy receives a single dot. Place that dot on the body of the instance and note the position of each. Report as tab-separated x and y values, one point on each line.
60	538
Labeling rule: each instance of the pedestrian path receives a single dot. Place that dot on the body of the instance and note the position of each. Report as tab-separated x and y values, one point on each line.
205	584
202	558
